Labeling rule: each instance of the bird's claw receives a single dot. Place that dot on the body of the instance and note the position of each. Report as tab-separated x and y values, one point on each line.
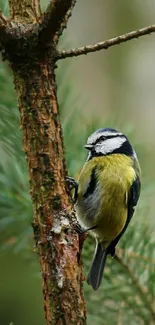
72	185
82	235
80	230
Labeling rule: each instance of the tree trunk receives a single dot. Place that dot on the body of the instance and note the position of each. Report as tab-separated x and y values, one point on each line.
33	64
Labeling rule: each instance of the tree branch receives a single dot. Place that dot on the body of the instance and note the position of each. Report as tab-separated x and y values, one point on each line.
55	19
3	19
105	44
25	11
4	23
65	21
8	31
144	294
27	24
16	33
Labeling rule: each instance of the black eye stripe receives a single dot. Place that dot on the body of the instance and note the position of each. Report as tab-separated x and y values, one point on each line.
108	137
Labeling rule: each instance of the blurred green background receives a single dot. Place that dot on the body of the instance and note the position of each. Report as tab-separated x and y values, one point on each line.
109	88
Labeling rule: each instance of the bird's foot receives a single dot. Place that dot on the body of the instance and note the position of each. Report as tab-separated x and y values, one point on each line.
72	185
82	235
80	230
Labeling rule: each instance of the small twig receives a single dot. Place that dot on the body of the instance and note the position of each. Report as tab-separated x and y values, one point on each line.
144	294
105	44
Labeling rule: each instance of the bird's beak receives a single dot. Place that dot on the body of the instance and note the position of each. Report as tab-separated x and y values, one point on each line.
88	146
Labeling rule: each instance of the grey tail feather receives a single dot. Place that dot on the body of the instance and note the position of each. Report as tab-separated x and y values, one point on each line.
96	271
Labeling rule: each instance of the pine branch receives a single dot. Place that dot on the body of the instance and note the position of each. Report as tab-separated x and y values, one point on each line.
105	44
65	21
44	29
55	19
143	291
13	31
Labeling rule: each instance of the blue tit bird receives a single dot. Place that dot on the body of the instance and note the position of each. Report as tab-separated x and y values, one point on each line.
108	191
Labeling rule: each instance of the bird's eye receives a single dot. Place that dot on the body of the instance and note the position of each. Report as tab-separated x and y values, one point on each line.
101	139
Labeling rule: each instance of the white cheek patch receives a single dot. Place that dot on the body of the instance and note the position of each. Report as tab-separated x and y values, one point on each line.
97	135
110	145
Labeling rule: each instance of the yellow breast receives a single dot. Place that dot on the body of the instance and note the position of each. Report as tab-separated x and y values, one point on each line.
115	175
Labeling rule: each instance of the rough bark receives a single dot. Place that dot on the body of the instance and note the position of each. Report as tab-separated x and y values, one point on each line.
25	11
53	217
33	65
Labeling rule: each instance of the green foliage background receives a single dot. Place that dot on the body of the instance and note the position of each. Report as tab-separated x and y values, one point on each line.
127	295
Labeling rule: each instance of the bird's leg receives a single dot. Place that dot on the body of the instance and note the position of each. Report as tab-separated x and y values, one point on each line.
80	230
72	184
83	233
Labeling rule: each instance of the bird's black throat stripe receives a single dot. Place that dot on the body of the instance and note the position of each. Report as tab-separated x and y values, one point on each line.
92	184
